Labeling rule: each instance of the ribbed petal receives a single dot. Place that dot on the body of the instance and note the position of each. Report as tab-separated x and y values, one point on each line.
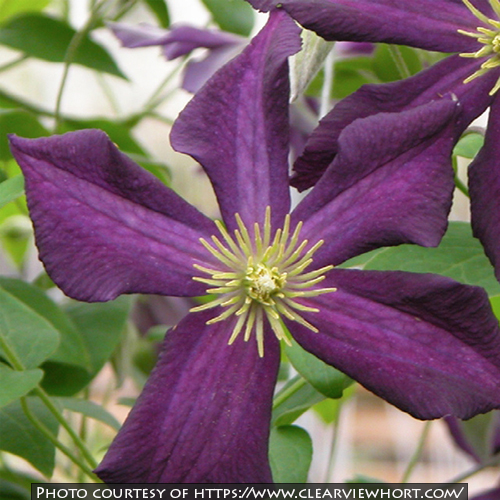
401	191
443	79
103	225
484	188
428	24
236	127
425	343
204	414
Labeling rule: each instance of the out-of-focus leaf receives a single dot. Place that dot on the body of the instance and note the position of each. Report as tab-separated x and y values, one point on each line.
160	10
20	437
235	16
290	454
11	189
118	133
459	256
292	407
48	38
469	145
71	349
90	409
15	384
9	8
100	326
324	378
17	122
384	64
28	334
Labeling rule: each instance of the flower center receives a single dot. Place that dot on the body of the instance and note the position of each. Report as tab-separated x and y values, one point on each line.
261	278
490	38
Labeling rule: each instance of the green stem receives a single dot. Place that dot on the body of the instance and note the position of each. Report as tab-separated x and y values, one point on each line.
333	447
478	468
418	452
458	183
70	56
399	61
283	395
10	355
53	439
60	418
17	364
13	63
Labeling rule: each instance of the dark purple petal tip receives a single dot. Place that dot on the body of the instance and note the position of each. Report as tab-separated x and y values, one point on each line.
204	414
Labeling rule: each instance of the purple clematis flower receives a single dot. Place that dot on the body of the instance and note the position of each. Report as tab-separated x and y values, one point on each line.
425	343
469	27
181	40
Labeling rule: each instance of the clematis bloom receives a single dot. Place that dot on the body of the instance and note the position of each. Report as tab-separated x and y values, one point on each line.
469	27
181	40
425	343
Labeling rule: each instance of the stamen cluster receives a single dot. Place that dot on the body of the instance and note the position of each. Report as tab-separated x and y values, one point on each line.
261	278
490	38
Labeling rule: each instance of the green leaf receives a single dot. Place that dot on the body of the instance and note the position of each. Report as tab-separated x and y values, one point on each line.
290	454
15	384
292	407
324	378
11	189
459	256
71	349
469	145
48	38
100	326
28	334
9	8
160	10
235	16
90	409
20	437
17	122
385	66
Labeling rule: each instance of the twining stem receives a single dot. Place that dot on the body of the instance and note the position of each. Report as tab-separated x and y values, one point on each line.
458	183
13	63
417	453
335	440
60	418
297	383
478	468
73	46
399	61
53	439
17	364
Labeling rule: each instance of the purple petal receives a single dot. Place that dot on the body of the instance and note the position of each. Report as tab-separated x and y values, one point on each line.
236	127
425	343
493	494
459	437
444	78
390	183
427	24
204	414
198	72
103	225
484	188
177	41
